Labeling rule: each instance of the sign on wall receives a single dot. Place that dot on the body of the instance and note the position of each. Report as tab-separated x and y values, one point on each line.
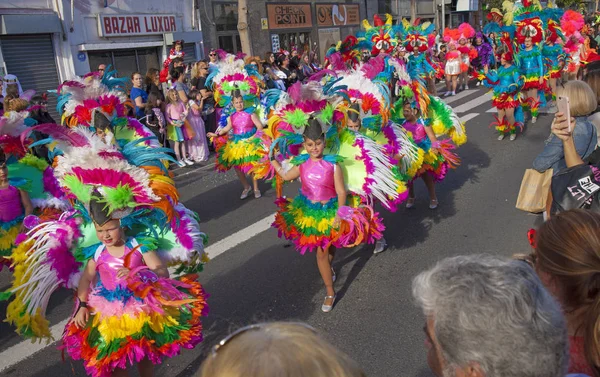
115	25
338	14
275	46
289	16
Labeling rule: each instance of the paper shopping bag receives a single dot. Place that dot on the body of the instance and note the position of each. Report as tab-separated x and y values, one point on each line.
534	191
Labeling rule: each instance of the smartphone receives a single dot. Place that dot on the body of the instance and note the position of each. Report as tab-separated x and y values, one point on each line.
564	106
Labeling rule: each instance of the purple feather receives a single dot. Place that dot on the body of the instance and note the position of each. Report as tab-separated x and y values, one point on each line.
376	66
319	75
221	53
51	183
337	62
57	132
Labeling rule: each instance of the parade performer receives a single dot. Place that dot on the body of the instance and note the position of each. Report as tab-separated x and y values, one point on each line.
245	148
15	204
175	52
571	24
318	218
485	55
437	155
134	313
467	53
554	57
531	66
419	41
454	63
506	83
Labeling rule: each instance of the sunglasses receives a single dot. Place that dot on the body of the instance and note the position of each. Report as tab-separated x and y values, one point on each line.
211	54
217	347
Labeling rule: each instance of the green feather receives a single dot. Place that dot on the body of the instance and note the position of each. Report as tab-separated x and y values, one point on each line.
296	118
327	113
81	191
34	162
119	197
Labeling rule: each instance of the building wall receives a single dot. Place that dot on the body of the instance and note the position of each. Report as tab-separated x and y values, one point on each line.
260	38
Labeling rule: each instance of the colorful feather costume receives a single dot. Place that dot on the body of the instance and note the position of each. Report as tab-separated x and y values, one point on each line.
571	24
381	37
136	188
246	148
552	52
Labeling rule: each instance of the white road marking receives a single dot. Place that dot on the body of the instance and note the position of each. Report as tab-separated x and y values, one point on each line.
468	117
473	103
26	349
460	95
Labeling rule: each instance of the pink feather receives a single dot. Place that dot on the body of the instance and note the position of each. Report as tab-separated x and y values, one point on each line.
319	75
376	66
222	54
337	62
295	91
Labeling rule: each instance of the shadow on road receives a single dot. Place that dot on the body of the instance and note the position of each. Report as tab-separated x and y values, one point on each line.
409	227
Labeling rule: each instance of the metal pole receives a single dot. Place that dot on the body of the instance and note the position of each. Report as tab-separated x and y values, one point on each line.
444	15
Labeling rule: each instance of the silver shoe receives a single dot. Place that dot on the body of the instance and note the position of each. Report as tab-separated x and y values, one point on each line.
533	119
380	246
500	137
245	193
512	137
327	308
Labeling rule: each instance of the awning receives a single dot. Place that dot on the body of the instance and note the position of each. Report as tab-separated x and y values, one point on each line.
117	45
11	24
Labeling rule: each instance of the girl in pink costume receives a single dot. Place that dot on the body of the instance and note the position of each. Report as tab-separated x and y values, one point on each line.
436	156
244	149
15	205
318	218
198	146
129	311
179	130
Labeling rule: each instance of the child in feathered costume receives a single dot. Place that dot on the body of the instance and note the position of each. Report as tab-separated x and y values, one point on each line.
506	83
246	149
319	218
458	57
529	35
419	41
571	24
485	55
125	229
379	38
437	156
554	56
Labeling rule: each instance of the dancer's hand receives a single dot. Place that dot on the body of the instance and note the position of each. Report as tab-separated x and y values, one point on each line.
211	134
123	272
82	317
337	221
560	127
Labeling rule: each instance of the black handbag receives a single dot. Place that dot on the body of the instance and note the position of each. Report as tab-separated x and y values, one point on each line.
576	187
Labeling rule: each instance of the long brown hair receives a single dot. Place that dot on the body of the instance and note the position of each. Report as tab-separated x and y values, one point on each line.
568	248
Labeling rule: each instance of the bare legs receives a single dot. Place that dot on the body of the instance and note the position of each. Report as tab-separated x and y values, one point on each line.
324	259
145	369
451	82
244	180
429	183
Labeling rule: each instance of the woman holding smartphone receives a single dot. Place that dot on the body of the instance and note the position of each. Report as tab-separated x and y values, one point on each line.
582	102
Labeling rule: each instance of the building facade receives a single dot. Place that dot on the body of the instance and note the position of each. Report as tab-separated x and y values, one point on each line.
273	25
45	42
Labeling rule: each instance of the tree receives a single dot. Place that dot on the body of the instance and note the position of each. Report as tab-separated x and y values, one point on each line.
242	27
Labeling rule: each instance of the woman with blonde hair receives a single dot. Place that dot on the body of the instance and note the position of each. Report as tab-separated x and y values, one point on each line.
277	349
582	103
567	260
592	77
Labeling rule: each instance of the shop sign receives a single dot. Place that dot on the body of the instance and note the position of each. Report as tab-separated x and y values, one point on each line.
289	16
275	46
115	25
338	14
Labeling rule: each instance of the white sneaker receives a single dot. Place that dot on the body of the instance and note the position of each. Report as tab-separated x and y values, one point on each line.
380	246
181	163
188	161
512	137
478	83
448	94
533	119
466	87
500	137
453	93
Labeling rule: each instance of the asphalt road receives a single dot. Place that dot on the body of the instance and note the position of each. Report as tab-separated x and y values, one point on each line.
374	320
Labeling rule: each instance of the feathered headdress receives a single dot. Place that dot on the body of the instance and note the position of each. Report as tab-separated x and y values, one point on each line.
571	24
464	31
416	36
553	31
230	75
530	28
380	37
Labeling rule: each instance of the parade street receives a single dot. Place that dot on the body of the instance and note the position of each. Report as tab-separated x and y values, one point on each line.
255	276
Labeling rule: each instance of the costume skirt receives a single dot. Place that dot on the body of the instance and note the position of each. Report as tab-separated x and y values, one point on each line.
453	67
311	225
182	133
243	152
149	318
437	159
505	101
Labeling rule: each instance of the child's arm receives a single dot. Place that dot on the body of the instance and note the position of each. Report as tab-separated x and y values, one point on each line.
430	133
257	121
155	264
26	201
340	189
196	106
222	131
83	313
290	175
168	114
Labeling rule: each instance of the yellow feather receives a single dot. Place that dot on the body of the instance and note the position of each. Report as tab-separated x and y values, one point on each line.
405	23
366	24
388	19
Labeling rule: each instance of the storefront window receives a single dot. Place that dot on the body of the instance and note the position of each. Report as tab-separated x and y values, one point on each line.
230	43
126	61
301	40
226	16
